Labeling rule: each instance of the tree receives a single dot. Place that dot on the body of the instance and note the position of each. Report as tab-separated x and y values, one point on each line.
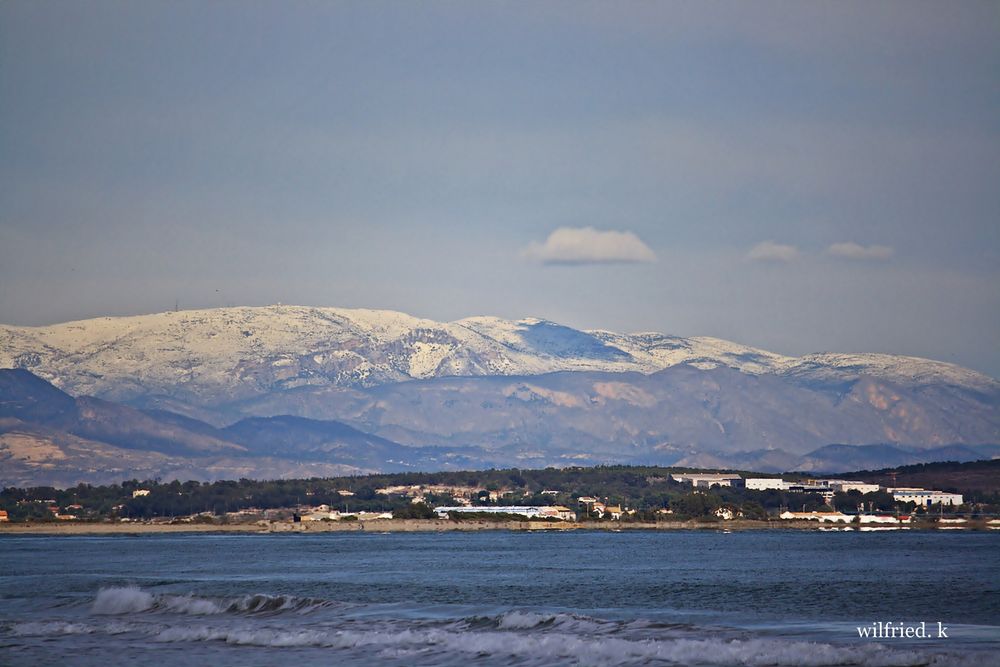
413	511
847	502
697	504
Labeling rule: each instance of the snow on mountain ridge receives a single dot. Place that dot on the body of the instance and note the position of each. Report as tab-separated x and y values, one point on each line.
244	351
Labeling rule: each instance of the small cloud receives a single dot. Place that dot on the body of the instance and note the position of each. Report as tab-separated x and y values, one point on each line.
852	250
586	245
769	251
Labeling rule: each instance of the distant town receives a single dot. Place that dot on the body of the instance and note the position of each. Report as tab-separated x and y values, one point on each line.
600	495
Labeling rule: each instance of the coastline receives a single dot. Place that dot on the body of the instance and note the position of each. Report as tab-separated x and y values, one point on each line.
400	526
380	526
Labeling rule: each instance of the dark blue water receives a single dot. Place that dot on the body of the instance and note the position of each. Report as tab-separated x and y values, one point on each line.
499	598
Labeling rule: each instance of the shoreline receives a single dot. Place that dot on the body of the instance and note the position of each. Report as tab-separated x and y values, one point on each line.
419	526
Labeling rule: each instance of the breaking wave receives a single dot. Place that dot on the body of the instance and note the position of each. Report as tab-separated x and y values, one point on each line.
550	648
360	635
132	599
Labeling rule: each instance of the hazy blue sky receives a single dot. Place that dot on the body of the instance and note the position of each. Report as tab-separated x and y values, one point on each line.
797	176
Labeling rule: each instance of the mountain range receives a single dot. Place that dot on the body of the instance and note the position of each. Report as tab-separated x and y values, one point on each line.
379	390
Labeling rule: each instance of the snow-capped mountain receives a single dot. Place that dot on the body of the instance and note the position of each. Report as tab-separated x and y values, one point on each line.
490	391
228	354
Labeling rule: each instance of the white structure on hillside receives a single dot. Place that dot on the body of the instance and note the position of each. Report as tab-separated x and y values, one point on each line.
708	480
819	486
765	484
845	485
925	497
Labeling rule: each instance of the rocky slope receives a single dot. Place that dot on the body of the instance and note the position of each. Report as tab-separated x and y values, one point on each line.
48	437
683	416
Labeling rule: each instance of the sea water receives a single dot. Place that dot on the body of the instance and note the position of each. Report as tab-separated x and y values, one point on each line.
500	598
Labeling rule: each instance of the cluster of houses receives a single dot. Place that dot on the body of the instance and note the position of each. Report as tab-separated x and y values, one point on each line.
326	513
71	513
463	495
464	498
595	507
825	488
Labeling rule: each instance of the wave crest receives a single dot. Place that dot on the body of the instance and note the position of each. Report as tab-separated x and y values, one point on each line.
132	600
122	600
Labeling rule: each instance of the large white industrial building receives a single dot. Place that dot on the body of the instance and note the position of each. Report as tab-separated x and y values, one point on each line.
925	496
708	480
845	485
764	484
813	486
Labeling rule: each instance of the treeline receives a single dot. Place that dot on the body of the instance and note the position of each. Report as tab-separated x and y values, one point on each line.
991	465
644	489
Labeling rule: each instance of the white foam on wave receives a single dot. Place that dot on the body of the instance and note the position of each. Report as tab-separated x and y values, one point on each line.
528	620
122	600
132	599
56	628
546	648
274	603
525	637
188	604
50	628
523	620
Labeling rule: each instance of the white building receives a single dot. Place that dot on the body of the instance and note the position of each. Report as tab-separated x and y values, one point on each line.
925	497
558	512
883	518
845	485
708	480
729	513
818	486
527	511
764	484
822	517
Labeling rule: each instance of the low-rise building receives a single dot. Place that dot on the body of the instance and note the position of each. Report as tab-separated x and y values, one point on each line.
925	497
845	485
883	519
822	517
729	513
708	480
765	484
808	487
558	512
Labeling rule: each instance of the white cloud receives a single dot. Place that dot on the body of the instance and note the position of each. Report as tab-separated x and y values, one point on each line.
769	251
586	245
853	250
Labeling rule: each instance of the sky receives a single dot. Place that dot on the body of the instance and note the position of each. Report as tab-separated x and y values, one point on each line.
801	177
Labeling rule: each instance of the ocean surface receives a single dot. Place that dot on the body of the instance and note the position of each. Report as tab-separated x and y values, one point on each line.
499	598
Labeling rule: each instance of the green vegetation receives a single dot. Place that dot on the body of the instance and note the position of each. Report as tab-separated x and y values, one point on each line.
646	490
977	481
